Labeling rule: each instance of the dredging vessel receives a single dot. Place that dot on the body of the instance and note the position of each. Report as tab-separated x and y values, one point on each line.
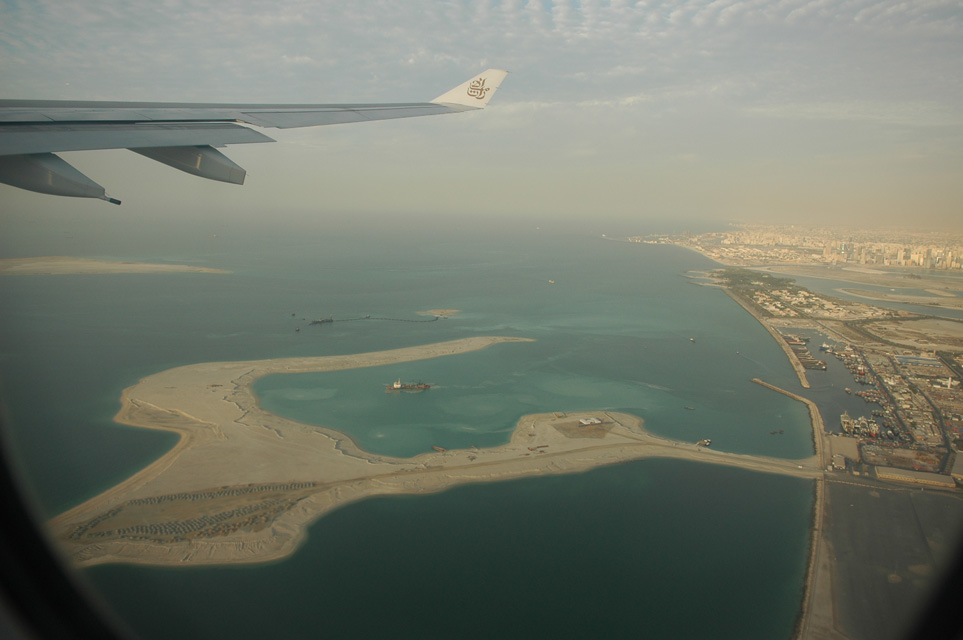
400	386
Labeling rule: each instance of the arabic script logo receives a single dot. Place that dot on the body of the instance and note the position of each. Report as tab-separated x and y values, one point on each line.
477	88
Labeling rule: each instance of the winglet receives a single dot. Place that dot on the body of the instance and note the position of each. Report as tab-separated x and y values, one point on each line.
475	93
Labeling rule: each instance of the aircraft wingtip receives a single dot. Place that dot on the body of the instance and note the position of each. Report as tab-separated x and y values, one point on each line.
474	93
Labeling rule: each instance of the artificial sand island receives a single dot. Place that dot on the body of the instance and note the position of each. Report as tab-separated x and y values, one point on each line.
243	484
439	313
63	265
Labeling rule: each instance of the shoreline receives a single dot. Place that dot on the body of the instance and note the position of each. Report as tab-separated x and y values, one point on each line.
817	609
793	360
820	614
817	612
241	485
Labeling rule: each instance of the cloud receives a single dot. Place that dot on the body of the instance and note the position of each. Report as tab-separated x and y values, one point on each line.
696	79
286	59
624	70
904	113
617	103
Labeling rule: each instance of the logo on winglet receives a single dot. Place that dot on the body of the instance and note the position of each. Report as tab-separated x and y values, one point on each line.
477	89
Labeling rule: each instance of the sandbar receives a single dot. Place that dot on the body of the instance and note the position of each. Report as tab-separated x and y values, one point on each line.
243	484
64	265
941	299
894	278
440	313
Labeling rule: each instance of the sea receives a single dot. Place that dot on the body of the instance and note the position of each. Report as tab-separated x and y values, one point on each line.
651	548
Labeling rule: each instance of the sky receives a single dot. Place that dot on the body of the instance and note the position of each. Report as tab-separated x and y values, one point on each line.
794	111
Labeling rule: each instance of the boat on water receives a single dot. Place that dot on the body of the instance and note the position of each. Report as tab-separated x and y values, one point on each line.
398	385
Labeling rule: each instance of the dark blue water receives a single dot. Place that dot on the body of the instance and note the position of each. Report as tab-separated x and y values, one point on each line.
655	549
650	545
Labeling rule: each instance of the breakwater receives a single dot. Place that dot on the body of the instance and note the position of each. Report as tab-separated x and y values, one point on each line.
329	320
780	340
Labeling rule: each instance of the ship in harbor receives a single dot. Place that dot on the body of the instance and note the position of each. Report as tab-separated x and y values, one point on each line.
800	348
398	385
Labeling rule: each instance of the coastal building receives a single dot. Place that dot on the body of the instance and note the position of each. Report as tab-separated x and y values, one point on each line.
919	361
839	462
915	477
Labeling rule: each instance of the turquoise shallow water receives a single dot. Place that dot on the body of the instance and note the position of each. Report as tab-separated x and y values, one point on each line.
612	332
612	551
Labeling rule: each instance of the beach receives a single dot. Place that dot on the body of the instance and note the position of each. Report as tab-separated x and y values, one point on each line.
242	484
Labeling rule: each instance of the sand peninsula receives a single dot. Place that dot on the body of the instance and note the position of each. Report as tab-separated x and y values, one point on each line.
242	484
63	265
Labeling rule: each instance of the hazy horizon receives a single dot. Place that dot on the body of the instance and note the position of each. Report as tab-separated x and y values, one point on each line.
622	112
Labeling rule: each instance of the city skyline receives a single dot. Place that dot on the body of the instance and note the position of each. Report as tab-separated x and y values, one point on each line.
823	112
756	244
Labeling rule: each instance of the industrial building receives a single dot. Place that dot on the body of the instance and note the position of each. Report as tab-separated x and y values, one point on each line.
915	477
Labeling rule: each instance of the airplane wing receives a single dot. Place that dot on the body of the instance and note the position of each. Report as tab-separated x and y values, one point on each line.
183	136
